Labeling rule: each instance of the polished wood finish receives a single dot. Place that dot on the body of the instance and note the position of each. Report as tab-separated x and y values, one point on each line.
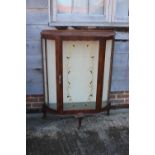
59	36
75	34
102	46
59	75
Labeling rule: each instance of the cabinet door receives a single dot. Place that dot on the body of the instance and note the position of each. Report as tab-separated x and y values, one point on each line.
80	71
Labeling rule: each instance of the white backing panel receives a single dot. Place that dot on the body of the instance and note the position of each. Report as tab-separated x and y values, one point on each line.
80	68
106	72
51	62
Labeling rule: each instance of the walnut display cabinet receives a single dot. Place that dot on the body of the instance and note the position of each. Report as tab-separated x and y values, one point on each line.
77	68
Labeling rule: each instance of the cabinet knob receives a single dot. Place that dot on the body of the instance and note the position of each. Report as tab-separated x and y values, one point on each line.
59	79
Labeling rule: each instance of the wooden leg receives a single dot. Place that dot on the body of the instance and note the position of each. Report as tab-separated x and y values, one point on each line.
79	116
80	121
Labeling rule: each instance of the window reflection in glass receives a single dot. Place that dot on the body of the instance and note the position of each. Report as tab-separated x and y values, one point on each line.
96	6
64	6
80	6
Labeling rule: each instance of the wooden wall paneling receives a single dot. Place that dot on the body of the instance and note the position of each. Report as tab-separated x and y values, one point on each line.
121	47
33	74
34	81
120	85
33	32
33	61
120	11
120	73
33	48
34	87
37	4
121	60
37	16
122	35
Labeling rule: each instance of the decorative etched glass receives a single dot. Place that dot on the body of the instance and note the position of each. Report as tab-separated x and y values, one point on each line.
80	68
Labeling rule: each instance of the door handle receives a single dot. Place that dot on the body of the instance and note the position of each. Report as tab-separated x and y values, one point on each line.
60	79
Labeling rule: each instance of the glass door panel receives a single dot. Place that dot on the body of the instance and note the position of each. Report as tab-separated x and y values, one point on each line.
80	69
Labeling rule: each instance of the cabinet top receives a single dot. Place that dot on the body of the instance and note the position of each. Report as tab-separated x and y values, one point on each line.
78	34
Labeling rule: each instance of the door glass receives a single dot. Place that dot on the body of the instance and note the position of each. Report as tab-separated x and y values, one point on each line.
80	68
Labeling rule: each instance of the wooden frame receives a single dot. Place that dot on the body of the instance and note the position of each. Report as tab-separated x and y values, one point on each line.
74	35
107	20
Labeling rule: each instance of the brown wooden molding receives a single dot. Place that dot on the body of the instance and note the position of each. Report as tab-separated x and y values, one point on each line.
78	34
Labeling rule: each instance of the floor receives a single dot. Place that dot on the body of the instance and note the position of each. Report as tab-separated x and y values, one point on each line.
99	134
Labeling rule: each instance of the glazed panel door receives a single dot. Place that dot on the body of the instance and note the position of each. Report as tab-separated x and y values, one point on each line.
80	74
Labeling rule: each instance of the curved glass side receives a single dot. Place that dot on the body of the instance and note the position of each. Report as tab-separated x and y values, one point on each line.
106	76
49	63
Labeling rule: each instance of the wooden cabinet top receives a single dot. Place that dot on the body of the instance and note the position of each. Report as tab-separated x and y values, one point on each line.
78	34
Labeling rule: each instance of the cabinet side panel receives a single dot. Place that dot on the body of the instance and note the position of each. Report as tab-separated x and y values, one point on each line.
51	63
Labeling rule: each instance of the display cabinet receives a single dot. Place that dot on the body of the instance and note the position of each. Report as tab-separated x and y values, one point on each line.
77	67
